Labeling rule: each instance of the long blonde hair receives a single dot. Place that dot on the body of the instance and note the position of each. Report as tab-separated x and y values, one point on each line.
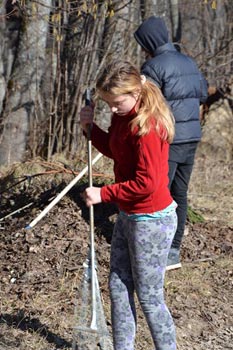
122	77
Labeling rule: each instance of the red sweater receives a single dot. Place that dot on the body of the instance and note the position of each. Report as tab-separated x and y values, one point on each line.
140	167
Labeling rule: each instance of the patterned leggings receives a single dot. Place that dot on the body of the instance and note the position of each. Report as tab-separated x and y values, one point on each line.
139	251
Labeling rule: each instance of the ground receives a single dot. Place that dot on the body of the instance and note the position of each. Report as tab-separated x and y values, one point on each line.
41	269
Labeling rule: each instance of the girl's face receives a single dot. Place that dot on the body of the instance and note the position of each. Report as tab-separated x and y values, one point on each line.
121	104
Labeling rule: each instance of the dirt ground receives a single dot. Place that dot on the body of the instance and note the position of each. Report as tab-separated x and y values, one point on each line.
41	269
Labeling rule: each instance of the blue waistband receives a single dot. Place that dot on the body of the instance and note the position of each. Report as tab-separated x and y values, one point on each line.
147	216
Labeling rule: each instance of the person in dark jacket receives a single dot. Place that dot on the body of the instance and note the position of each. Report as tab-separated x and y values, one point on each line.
184	88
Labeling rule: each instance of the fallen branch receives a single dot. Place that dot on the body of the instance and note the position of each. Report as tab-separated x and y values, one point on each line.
54	172
16	211
211	258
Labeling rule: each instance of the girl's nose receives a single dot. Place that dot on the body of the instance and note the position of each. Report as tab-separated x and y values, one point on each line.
113	109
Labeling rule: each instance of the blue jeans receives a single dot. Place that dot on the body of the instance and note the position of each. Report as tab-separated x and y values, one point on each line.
181	160
139	251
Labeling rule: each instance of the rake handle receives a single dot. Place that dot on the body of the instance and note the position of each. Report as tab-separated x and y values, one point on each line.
91	219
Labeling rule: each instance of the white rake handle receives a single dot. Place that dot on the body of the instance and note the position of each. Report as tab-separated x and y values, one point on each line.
62	193
93	325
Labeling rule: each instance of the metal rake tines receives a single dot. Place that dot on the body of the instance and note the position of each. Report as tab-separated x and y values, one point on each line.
84	333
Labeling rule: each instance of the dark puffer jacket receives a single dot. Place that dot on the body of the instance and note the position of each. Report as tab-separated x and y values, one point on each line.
177	75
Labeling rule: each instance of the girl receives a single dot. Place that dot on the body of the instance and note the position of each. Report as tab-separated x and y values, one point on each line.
138	140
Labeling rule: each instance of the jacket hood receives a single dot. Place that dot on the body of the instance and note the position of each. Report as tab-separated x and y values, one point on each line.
151	34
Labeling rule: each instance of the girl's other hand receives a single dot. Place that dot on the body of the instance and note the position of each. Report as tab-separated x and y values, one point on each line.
86	117
92	195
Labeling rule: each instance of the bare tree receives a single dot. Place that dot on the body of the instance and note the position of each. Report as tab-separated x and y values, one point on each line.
23	77
52	50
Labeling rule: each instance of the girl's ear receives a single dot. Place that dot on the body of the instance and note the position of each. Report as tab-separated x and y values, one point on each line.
136	94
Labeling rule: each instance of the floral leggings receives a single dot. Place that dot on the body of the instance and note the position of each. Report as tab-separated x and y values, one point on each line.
139	251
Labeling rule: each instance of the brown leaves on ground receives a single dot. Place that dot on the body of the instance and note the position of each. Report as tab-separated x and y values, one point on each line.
41	271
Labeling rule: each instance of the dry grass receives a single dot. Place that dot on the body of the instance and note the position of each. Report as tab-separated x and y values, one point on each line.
211	189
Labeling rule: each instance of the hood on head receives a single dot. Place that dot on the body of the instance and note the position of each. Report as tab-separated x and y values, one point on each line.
151	34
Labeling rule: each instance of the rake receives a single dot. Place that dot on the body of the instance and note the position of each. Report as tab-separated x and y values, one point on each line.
91	328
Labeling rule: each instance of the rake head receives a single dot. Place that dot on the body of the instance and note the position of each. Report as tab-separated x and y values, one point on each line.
90	330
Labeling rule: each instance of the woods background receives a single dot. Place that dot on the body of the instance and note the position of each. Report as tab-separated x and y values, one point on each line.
52	50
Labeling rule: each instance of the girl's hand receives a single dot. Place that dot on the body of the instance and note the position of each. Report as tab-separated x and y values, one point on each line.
91	196
86	117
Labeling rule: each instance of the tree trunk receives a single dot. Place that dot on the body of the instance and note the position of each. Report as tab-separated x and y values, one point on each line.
52	50
23	84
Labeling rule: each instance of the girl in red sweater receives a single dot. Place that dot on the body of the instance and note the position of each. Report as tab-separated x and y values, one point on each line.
138	140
